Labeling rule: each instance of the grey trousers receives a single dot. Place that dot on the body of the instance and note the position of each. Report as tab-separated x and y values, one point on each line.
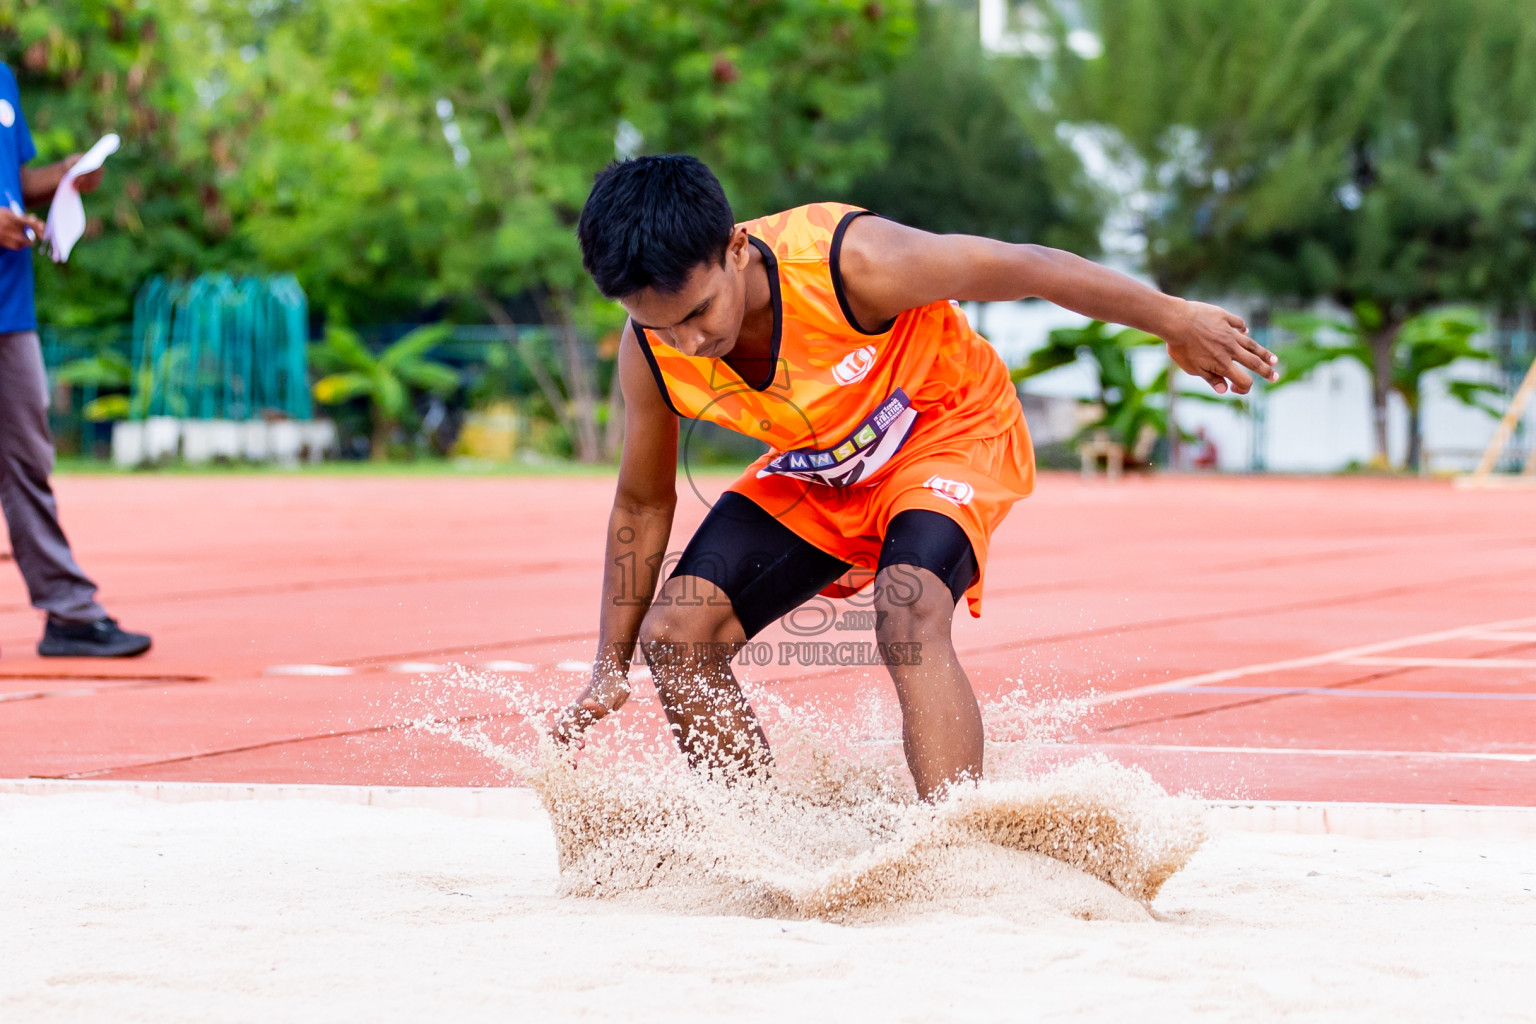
54	582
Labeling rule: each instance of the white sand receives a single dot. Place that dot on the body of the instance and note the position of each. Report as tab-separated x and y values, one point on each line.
118	908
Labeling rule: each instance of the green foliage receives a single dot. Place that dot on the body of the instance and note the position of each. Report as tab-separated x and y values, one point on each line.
1380	155
103	370
399	155
386	380
1129	408
89	67
440	151
1429	341
130	394
1351	149
106	371
966	150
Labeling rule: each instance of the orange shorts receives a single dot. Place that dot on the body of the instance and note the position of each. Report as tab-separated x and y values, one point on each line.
972	480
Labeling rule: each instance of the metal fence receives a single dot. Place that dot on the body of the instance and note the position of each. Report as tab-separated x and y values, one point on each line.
73	433
220	348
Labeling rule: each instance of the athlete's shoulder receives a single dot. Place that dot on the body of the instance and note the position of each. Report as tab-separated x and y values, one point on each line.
804	232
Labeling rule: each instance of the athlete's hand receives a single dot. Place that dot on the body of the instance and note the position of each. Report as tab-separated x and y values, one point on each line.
13	229
1212	344
604	695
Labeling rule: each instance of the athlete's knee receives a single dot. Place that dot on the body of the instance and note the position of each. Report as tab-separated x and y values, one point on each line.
916	607
675	634
663	626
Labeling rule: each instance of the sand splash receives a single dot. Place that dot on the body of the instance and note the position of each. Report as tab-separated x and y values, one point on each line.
836	832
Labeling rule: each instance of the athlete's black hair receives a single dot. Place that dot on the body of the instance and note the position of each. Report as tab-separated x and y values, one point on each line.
649	221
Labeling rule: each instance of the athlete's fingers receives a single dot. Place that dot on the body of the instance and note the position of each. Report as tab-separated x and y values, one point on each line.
1252	345
571	723
582	715
1217	382
1257	358
1260	351
563	730
1258	364
1241	382
1238	322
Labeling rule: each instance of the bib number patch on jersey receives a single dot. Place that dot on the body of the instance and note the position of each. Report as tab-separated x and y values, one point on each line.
859	455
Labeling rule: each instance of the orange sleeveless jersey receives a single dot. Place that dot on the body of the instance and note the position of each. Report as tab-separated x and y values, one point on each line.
860	425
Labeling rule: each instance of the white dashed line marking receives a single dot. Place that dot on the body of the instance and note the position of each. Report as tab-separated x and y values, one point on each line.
418	667
506	666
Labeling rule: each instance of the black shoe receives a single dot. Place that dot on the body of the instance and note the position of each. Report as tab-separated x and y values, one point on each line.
99	639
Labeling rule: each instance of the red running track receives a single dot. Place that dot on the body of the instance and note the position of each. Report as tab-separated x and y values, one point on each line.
1288	639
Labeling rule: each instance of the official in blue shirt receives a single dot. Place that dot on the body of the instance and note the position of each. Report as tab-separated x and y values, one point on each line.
77	626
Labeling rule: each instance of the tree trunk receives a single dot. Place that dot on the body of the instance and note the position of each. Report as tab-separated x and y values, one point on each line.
579	383
1382	342
383	433
613	437
1415	437
514	338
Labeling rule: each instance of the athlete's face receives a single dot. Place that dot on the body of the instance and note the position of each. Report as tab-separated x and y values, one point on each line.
703	318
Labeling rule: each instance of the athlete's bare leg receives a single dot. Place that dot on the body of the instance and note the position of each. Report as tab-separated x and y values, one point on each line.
941	728
688	637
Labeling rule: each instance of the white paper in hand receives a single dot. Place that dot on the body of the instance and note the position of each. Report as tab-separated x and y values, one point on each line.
66	217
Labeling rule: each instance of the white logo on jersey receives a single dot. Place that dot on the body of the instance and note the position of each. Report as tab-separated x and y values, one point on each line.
957	491
855	366
7	113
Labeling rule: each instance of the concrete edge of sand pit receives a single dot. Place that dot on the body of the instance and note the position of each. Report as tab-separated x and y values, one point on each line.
1362	820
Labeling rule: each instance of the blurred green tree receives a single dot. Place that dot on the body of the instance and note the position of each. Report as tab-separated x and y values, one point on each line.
967	150
1427	341
1381	155
395	155
90	67
1128	408
385	380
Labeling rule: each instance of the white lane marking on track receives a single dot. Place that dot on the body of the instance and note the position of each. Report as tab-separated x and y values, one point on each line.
1448	755
506	666
309	670
1446	662
1326	691
1330	658
1443	755
418	667
575	666
1527	638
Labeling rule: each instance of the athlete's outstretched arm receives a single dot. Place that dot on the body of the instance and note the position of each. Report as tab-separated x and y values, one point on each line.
888	268
638	529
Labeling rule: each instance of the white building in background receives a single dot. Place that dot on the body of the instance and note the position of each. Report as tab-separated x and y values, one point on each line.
1319	425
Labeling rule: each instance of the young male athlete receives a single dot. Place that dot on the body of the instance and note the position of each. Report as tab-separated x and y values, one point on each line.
897	443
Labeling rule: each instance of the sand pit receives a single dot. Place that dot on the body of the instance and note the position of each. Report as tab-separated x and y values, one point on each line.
118	908
843	843
832	828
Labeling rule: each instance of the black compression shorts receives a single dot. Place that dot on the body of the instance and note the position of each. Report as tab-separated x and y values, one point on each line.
768	571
